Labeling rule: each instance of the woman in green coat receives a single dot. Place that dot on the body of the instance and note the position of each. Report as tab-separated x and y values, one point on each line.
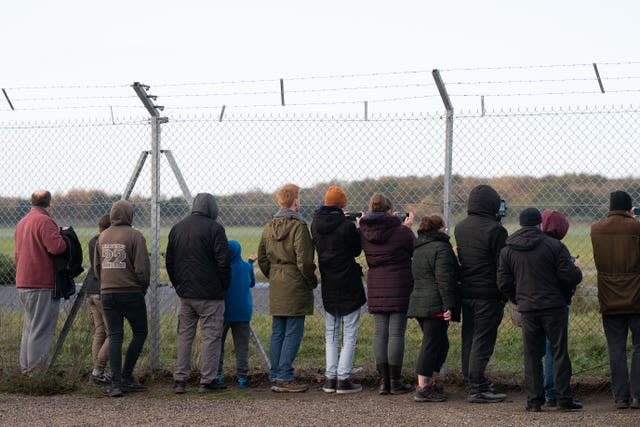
432	301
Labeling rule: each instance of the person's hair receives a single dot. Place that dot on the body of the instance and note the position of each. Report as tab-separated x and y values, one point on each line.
379	203
287	194
431	223
104	222
41	199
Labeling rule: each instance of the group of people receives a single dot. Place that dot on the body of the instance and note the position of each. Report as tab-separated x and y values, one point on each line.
421	277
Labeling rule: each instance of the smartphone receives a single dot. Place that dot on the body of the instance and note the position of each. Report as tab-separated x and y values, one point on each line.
502	209
574	258
402	215
636	211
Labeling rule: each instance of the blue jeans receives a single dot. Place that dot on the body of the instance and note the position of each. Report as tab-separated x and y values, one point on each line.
286	336
117	307
340	367
549	386
624	384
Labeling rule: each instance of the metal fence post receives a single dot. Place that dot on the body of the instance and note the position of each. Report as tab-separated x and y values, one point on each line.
156	121
448	152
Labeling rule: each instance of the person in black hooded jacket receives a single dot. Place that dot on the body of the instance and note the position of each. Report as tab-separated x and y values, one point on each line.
537	273
198	261
337	242
479	238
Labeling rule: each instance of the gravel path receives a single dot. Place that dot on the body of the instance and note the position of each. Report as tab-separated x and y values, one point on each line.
261	407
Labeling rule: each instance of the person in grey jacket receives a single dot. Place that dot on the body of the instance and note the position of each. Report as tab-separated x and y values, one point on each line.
434	298
199	266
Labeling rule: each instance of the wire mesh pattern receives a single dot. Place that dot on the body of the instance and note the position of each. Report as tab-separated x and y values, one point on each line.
566	160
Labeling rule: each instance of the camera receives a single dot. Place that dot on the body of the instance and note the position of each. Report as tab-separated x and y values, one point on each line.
353	215
402	215
502	209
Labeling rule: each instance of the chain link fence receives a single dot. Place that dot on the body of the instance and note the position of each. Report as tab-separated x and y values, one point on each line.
566	160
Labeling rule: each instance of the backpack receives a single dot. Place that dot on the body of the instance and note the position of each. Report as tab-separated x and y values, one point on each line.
68	265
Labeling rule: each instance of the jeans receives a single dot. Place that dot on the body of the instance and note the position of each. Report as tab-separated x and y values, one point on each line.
549	387
100	344
117	307
536	326
286	336
38	327
340	367
388	337
210	314
435	346
480	321
241	332
616	328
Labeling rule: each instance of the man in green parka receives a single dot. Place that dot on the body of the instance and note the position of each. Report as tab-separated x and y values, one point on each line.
285	256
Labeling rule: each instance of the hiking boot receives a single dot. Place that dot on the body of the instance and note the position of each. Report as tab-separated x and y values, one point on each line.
289	386
329	385
102	379
132	386
428	394
551	403
571	405
179	387
211	387
114	391
622	404
243	382
397	385
346	387
533	407
486	397
383	371
635	403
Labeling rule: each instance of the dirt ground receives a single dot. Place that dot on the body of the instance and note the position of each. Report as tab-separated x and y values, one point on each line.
260	407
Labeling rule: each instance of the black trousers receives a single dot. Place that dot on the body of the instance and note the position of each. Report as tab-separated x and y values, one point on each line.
435	346
536	327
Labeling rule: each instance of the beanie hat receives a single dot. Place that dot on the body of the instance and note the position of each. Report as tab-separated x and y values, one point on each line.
554	224
619	201
530	217
335	197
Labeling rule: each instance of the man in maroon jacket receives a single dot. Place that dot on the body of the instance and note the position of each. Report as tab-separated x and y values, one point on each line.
37	239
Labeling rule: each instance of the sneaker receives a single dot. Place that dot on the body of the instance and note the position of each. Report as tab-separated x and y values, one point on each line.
428	394
114	391
571	405
219	379
102	379
622	404
533	407
290	386
329	385
132	386
551	403
179	387
211	387
243	382
635	403
346	387
486	397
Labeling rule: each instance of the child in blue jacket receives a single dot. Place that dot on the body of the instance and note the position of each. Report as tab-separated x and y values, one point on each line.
238	308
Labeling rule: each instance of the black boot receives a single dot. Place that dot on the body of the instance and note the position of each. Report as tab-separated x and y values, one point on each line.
383	371
398	386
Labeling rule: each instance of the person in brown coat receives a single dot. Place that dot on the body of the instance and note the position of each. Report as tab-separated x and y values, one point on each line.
616	252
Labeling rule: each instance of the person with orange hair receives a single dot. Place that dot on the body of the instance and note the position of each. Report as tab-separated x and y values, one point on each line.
285	257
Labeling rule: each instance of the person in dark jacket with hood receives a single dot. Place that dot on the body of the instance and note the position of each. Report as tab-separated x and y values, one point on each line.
238	308
198	262
537	273
285	257
435	296
337	242
479	239
387	242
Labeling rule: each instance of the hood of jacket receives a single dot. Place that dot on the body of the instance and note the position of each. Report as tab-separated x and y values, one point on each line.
121	213
236	250
483	200
425	237
377	227
554	224
205	204
328	218
281	224
526	239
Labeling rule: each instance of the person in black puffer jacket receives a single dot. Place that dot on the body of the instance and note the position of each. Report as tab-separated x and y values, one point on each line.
337	242
537	273
387	242
434	298
479	239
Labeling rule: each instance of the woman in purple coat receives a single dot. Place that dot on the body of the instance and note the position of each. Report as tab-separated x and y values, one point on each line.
387	241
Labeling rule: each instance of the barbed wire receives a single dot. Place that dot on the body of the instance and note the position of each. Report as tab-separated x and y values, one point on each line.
573	92
571	79
51	87
522	67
